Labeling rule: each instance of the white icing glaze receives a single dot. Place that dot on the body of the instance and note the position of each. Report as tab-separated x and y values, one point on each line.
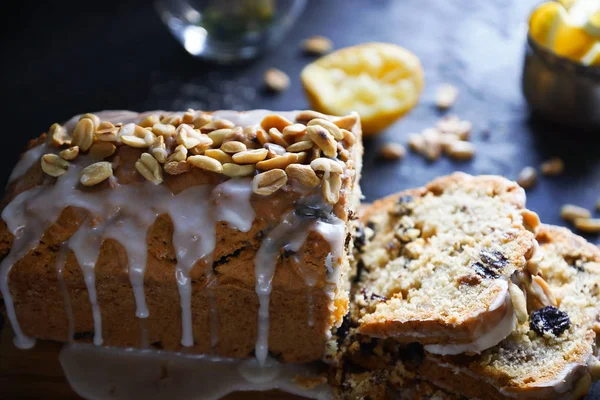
27	160
61	258
490	338
108	373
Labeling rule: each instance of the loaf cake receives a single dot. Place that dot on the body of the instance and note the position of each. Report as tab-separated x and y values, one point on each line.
224	233
552	352
438	262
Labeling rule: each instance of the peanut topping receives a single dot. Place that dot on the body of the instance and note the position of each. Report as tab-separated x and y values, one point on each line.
269	182
250	156
202	120
233	147
274	121
57	135
163	129
294	130
317	45
279	162
177	167
218	155
326	165
189	138
235	171
159	149
150	121
96	173
149	168
332	128
303	174
134	141
323	139
70	154
300	146
218	136
205	163
101	150
331	188
83	135
53	165
179	154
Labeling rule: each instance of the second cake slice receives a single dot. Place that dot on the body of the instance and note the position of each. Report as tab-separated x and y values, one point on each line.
438	261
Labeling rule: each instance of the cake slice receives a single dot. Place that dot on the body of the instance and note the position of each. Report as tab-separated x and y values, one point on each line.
438	262
551	355
220	233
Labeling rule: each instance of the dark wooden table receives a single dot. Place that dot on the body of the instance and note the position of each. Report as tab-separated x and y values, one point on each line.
62	59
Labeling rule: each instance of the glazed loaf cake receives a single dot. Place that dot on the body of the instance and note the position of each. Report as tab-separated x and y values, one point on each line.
222	233
438	262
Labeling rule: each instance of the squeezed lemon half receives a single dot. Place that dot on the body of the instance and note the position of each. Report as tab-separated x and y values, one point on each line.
380	81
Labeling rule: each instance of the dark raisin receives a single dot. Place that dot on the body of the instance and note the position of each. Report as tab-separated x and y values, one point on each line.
377	297
493	259
484	271
314	211
491	264
360	239
372	296
549	319
83	335
342	331
360	266
413	355
471	279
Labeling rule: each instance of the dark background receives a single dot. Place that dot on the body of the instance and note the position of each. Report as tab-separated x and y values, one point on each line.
63	58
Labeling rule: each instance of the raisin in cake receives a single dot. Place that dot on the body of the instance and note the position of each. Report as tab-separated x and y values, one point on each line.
221	233
552	354
438	267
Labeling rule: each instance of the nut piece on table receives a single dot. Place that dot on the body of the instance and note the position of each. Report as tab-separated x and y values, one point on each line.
276	80
527	177
571	212
587	225
317	45
392	151
460	150
554	166
445	96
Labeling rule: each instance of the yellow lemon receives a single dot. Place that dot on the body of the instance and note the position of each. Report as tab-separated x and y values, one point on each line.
571	41
543	22
380	81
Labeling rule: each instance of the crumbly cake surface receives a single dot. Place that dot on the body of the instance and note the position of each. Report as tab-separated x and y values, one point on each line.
437	266
545	357
178	150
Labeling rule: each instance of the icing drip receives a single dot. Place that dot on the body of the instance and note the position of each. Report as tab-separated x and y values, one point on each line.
27	160
192	245
291	234
61	259
106	373
86	248
264	270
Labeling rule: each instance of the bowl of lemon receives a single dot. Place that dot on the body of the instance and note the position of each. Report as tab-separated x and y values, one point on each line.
561	74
